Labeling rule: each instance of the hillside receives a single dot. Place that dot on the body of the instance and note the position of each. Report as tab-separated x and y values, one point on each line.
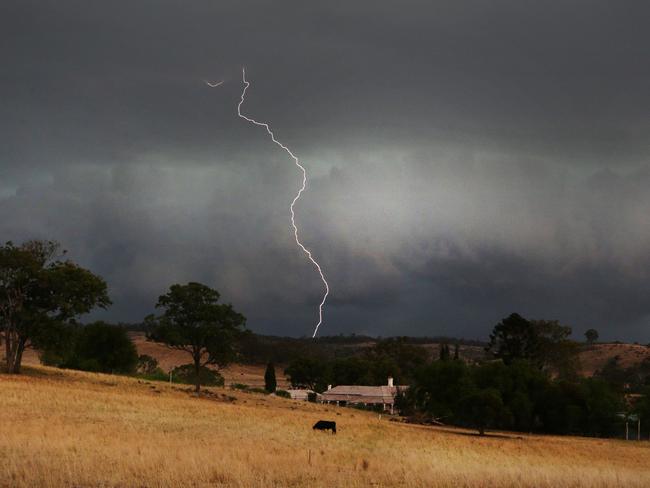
249	374
65	428
593	358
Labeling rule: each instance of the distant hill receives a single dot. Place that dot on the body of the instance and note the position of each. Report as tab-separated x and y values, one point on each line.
594	357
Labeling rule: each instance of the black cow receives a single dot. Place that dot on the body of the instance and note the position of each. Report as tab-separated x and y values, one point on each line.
325	425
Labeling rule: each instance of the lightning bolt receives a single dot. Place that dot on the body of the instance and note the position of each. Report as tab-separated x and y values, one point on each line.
295	199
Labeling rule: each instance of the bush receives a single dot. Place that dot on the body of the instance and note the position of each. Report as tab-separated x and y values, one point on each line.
239	386
282	393
147	365
258	390
103	348
157	375
148	369
185	374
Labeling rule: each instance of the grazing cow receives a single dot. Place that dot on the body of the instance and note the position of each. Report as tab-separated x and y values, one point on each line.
325	425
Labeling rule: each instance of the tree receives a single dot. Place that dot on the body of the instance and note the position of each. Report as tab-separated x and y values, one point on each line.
104	348
554	350
307	373
437	388
601	405
592	336
351	371
397	358
513	338
544	343
520	385
270	384
444	352
481	409
39	294
456	351
193	321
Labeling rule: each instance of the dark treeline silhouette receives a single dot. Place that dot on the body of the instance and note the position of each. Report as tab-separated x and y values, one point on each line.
261	349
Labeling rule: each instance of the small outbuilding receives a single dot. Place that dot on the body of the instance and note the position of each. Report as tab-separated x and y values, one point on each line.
300	394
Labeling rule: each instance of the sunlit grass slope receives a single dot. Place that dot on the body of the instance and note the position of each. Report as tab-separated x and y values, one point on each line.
62	428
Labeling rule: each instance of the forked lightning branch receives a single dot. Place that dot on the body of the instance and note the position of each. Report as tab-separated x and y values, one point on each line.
295	199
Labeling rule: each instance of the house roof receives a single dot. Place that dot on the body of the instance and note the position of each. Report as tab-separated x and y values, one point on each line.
301	394
363	394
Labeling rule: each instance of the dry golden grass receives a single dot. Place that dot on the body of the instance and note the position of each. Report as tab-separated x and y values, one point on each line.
64	428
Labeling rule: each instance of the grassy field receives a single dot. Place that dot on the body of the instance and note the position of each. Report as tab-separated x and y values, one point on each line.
64	428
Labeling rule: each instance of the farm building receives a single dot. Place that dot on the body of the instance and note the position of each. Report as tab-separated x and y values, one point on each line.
364	395
301	394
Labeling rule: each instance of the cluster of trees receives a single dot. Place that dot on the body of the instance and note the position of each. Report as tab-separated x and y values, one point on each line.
97	347
42	297
543	343
389	357
515	396
532	384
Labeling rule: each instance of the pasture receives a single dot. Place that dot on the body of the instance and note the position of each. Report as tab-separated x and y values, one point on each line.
67	428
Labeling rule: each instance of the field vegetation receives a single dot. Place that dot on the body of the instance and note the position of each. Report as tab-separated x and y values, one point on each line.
70	428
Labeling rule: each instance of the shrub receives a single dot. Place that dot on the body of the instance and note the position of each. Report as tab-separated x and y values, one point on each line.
258	390
103	348
207	377
239	386
147	365
157	375
282	393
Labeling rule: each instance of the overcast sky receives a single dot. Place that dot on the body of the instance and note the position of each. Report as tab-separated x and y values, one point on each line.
467	159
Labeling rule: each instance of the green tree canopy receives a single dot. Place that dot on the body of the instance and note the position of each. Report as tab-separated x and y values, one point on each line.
306	372
39	293
104	348
438	387
481	409
193	321
544	343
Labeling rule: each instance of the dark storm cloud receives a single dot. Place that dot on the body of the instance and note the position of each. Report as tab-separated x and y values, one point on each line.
468	159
